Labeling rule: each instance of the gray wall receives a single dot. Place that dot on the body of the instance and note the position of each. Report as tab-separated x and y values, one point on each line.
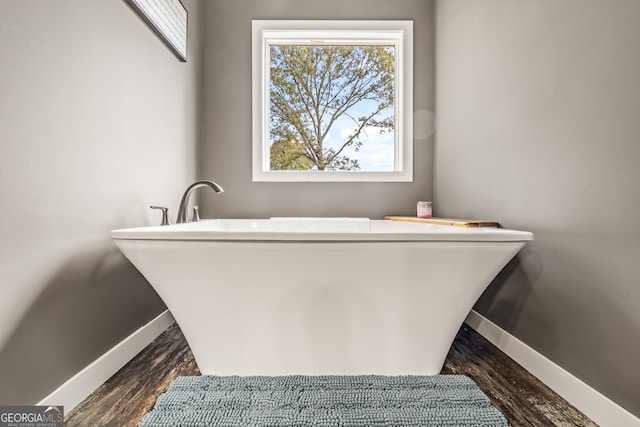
226	152
538	110
98	119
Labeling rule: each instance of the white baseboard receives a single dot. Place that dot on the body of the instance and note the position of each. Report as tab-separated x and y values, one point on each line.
81	385
589	401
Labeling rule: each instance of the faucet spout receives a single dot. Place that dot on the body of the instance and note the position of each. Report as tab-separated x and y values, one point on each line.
184	202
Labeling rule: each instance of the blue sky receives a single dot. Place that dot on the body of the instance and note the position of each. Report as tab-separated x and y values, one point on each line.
377	150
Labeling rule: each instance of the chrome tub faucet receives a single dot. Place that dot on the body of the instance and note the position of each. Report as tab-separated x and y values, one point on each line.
184	202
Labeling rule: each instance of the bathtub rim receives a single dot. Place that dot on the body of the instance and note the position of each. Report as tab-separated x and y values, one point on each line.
409	232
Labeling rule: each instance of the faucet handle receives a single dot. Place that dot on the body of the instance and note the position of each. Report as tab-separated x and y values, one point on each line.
165	214
196	214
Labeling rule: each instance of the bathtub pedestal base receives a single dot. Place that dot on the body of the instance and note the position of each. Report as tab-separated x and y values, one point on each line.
275	308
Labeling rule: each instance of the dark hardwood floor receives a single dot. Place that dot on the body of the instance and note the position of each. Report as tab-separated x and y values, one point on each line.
522	398
131	392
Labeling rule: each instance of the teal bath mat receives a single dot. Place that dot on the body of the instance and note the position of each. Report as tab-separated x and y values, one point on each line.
327	401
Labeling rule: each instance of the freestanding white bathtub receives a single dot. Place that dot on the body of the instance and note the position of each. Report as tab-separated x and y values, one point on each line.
319	296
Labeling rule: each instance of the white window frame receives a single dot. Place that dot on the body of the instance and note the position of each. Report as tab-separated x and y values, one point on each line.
399	33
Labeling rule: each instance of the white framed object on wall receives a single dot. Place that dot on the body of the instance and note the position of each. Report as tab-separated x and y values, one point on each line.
168	19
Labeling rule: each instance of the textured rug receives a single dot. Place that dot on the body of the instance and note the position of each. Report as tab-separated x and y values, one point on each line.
327	401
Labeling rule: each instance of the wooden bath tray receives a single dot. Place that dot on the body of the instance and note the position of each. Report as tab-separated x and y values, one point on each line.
445	221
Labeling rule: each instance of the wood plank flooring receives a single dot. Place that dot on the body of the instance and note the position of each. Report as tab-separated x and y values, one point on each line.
522	398
131	392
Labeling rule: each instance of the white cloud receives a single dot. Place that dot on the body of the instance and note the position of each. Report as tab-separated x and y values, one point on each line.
377	150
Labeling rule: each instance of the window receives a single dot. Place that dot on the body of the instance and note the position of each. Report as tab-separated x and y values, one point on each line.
332	100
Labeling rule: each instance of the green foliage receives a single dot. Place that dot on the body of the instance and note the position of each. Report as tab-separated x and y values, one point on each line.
311	87
288	155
